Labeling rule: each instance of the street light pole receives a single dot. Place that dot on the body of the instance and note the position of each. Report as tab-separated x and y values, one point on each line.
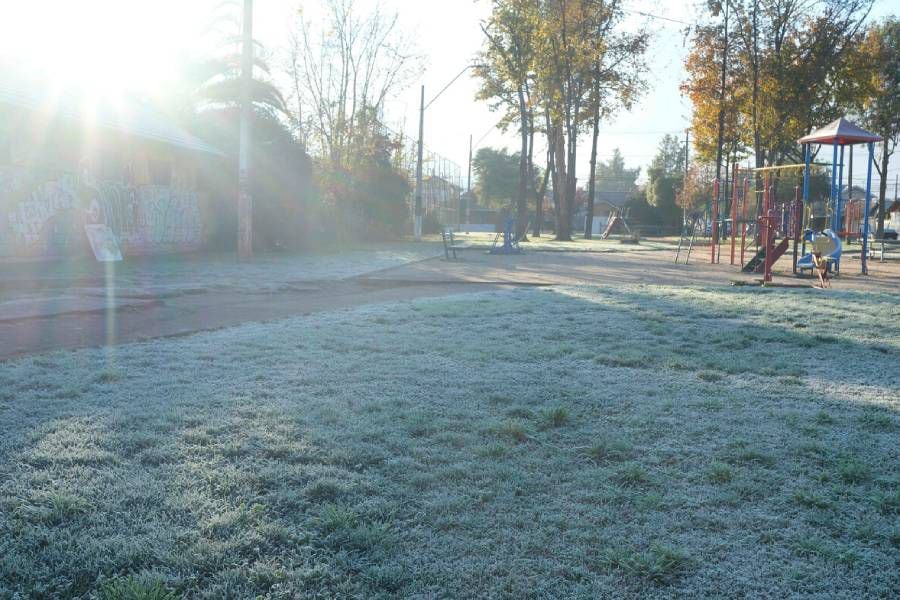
417	225
245	198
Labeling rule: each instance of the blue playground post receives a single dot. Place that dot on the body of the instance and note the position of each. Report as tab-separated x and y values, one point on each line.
866	208
808	159
839	213
833	185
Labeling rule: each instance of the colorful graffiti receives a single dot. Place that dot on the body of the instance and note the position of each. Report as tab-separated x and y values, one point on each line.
46	216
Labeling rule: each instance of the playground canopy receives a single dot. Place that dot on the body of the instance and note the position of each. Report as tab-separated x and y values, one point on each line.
838	134
841	132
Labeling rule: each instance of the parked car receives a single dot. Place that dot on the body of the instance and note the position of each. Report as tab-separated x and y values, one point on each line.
890	234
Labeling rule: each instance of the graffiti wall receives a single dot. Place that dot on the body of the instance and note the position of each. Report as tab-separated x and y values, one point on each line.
44	215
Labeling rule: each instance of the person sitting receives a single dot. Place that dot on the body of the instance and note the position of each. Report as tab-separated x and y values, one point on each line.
820	263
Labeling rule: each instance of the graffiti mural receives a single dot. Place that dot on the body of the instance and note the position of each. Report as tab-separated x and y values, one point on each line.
46	215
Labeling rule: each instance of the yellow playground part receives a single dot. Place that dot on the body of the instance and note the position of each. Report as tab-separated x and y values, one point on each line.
824	244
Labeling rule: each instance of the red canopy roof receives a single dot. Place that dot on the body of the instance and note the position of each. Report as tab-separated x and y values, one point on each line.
841	131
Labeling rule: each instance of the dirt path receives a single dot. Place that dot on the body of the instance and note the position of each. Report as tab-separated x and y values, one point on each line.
79	317
191	313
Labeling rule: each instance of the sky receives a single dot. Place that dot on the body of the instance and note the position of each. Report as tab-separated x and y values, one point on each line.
138	41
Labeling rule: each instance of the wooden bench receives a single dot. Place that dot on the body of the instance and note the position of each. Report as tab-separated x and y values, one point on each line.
451	246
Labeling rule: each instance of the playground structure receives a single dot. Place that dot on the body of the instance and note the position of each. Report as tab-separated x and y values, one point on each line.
839	134
772	226
692	224
510	243
618	219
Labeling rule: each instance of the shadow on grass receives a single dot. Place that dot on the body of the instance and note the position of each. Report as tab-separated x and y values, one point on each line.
454	446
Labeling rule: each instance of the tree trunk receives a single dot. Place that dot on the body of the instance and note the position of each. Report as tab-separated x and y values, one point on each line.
531	190
589	220
571	176
541	193
722	91
757	137
522	194
560	189
882	189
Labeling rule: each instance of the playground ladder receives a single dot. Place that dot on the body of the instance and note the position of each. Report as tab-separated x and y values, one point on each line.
688	236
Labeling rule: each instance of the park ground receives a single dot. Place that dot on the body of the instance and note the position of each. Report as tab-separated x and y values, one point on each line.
593	422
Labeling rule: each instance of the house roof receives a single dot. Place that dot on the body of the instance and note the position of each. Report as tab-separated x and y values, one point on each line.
132	117
842	132
614	198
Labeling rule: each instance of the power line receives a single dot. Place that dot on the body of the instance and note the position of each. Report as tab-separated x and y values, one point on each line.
446	87
661	18
488	132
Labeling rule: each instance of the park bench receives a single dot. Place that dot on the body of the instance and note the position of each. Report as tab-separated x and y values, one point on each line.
451	246
887	246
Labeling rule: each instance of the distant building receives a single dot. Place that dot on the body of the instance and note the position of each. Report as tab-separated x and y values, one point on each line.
67	162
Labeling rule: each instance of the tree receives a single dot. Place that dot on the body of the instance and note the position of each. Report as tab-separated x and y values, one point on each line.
505	70
207	99
575	72
776	72
697	186
342	70
715	89
497	173
666	176
670	157
879	63
617	82
613	176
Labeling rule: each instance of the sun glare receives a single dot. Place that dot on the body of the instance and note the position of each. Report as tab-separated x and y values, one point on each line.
103	47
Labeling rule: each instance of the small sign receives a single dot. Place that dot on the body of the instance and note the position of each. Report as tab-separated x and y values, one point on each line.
103	243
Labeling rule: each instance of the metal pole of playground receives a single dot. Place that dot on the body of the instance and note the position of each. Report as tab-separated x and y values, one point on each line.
807	154
744	226
796	225
865	245
839	214
834	162
714	231
734	199
768	241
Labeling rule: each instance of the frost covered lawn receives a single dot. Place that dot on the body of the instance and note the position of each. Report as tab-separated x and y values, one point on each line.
570	442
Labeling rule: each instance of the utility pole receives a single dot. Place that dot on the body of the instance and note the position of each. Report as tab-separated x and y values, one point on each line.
419	212
417	224
245	197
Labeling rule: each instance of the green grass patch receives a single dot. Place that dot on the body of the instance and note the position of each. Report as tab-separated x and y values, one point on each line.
556	416
719	472
135	588
659	564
